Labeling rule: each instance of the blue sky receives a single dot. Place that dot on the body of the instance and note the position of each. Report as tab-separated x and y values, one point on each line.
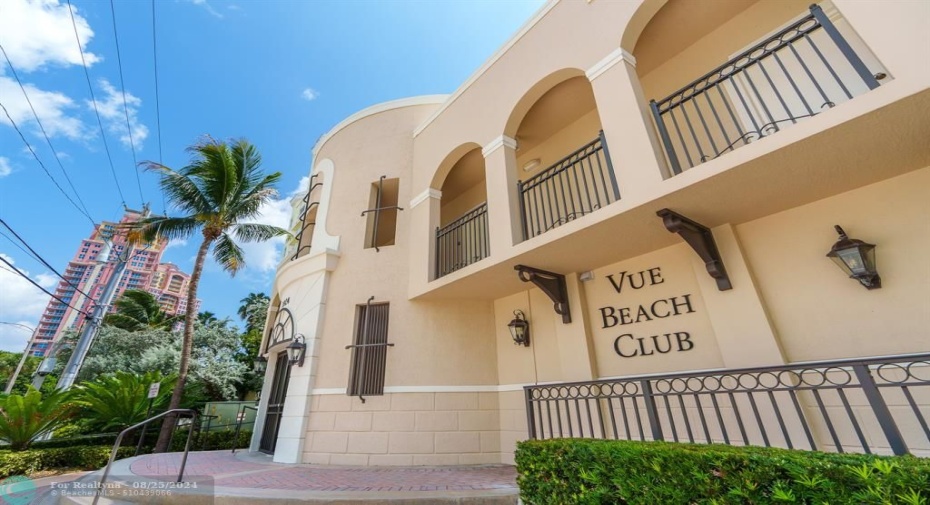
280	73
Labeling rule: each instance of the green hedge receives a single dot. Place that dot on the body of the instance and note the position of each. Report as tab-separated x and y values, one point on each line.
570	471
78	454
31	461
78	441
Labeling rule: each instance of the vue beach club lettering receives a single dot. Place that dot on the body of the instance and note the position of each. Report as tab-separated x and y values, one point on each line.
629	345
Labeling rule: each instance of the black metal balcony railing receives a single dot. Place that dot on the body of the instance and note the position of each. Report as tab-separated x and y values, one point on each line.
578	184
790	76
463	241
305	235
846	405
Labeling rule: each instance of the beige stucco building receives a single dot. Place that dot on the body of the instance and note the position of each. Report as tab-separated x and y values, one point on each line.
759	124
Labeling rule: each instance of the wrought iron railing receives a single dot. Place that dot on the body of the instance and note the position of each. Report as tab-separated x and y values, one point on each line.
463	241
578	184
794	74
841	406
305	235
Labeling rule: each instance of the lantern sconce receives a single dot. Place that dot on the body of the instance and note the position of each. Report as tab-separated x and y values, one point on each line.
259	364
519	329
856	258
296	350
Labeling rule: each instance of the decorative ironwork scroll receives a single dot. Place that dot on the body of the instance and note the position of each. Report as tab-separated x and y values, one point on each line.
283	329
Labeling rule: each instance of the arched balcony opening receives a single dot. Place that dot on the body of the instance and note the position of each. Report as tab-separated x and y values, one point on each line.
563	166
304	219
724	74
462	234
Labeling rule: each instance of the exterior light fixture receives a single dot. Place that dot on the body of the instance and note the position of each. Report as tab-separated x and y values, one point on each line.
296	350
259	364
520	329
856	258
531	165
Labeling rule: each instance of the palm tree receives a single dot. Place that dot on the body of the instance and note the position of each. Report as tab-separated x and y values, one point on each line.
221	189
207	318
137	310
253	310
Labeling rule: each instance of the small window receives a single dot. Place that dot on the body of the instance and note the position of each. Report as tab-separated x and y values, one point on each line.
369	350
382	213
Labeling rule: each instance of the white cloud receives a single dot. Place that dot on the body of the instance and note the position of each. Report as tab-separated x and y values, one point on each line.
209	8
5	167
176	243
39	33
53	109
264	257
20	302
111	109
310	94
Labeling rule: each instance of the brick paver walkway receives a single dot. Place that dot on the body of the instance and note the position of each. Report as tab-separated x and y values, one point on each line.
228	470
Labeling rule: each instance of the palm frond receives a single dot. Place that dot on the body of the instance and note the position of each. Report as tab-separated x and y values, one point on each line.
151	229
228	254
179	188
255	232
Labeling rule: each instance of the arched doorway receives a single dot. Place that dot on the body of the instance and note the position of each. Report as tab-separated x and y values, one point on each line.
564	170
281	332
462	235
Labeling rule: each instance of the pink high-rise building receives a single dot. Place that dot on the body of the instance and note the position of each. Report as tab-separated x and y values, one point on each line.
85	275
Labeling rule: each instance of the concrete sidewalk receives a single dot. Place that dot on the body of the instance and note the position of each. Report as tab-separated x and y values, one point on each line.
223	478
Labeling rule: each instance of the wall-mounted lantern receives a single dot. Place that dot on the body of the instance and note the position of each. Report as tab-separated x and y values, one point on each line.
259	364
296	350
519	329
856	258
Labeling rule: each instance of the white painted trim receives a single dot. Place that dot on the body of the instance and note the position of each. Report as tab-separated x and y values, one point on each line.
616	56
375	109
495	144
432	389
425	195
541	13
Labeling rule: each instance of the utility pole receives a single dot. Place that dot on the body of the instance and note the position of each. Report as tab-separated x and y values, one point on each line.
22	361
93	325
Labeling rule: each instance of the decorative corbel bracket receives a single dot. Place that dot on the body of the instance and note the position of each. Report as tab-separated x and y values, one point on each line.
702	241
552	284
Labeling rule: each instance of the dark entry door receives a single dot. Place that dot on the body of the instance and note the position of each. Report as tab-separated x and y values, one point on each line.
282	372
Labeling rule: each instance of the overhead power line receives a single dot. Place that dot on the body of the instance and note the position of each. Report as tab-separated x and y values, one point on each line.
44	169
122	85
93	99
41	259
164	207
42	128
16	271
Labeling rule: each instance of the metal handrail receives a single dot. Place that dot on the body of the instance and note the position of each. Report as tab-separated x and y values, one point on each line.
119	439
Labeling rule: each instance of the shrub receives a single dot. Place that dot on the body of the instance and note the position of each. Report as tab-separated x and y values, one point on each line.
35	460
578	471
24	418
114	402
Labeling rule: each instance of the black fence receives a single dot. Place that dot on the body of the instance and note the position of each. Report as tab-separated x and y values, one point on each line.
578	184
854	405
795	74
463	241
